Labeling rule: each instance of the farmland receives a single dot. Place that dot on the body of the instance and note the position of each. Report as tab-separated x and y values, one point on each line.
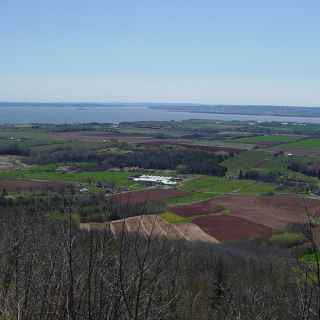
271	139
304	144
211	160
306	147
230	228
218	185
234	217
49	173
32	185
148	195
239	193
153	226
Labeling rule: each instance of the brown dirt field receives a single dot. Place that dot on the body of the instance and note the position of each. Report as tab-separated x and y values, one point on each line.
28	185
152	225
227	228
196	209
137	197
192	232
274	212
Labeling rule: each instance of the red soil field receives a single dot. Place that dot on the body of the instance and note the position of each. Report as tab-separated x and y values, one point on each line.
275	212
137	197
227	228
197	209
28	185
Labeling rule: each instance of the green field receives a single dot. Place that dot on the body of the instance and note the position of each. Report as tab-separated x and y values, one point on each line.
191	198
206	187
218	185
313	143
48	173
269	138
171	217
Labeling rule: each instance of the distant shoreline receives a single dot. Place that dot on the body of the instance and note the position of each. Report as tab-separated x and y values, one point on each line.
244	114
272	111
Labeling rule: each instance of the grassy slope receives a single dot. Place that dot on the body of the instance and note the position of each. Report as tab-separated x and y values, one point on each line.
47	172
171	217
205	187
218	185
313	143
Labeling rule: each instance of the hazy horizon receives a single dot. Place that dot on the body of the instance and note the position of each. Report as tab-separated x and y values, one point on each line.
150	103
201	52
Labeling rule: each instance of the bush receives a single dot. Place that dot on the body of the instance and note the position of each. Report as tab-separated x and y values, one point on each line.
287	239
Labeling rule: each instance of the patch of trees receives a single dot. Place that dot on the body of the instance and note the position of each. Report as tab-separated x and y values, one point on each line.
264	176
88	208
64	153
189	161
14	149
279	178
163	157
309	169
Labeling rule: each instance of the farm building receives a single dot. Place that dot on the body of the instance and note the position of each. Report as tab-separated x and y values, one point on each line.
156	180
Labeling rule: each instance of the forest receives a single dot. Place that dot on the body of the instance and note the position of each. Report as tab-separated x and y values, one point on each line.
52	270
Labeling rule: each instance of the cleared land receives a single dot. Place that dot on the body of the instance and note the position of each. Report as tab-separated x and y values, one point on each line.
195	209
203	188
25	185
152	225
224	218
49	173
227	228
308	147
268	140
275	212
221	185
148	195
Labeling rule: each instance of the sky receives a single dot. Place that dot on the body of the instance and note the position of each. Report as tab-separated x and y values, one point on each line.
196	51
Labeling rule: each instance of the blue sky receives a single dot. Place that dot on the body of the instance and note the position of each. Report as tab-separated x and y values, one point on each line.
207	51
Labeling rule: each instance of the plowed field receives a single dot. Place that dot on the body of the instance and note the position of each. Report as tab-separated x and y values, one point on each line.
225	228
148	195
